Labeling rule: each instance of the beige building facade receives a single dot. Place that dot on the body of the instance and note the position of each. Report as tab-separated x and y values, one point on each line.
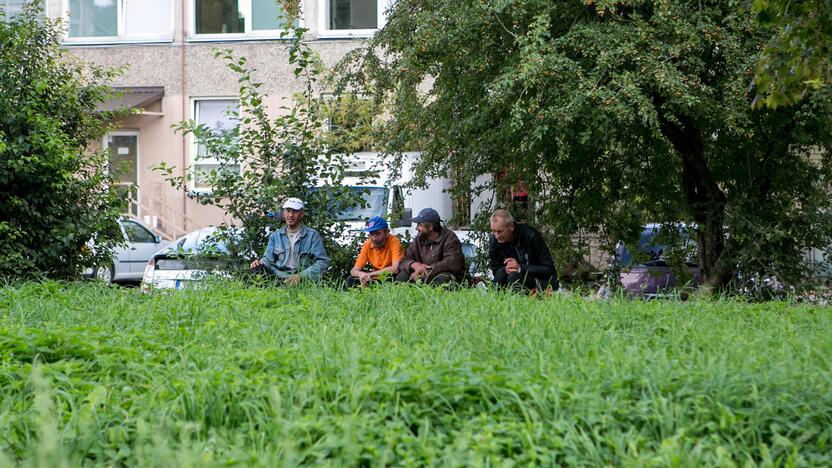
167	49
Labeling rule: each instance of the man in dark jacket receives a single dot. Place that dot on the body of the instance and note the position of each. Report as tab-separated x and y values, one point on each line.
519	256
435	255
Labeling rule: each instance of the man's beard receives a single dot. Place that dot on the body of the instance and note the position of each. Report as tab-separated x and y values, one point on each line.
423	236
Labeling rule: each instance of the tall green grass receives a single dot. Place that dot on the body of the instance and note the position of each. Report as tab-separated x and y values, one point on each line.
406	375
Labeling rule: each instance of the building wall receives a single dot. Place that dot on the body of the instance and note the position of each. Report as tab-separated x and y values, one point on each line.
186	68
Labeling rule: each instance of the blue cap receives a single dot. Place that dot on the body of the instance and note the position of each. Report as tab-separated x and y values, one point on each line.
375	223
428	214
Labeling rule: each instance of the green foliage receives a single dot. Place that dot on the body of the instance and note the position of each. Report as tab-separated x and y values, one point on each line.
287	155
395	375
796	60
613	115
54	195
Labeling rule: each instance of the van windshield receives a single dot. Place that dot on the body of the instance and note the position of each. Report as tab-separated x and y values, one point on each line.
375	204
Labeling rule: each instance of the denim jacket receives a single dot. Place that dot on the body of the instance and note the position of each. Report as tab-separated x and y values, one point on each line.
312	258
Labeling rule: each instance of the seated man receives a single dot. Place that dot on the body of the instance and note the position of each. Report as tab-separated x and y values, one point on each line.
382	251
435	255
295	252
519	256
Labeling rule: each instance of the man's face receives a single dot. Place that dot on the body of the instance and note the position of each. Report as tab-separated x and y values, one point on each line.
292	217
424	229
379	237
502	230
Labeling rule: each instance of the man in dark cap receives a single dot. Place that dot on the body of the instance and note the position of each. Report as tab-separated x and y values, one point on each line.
435	255
382	251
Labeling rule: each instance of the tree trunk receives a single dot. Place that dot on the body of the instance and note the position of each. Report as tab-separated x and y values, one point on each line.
705	200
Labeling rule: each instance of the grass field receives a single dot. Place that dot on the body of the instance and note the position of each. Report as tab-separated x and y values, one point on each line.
407	376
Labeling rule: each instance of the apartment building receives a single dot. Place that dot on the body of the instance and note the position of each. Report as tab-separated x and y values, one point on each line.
171	75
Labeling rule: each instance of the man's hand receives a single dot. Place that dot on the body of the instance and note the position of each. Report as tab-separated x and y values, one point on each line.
256	263
512	265
292	280
364	278
419	270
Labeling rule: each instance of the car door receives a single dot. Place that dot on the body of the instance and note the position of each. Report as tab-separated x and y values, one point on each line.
142	244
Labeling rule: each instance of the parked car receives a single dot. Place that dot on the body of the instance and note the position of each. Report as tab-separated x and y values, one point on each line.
129	260
190	259
647	272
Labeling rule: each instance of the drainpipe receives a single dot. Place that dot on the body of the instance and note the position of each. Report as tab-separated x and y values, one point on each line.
184	84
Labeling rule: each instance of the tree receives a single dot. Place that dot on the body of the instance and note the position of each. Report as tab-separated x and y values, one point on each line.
612	113
54	195
267	158
796	60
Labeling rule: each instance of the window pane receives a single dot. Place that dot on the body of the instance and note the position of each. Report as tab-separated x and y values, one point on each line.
218	17
266	14
214	115
143	17
202	172
123	157
92	18
353	14
137	233
12	7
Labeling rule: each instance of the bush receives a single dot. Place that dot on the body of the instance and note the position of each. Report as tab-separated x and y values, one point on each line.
54	196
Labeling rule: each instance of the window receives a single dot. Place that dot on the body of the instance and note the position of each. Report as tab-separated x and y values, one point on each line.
11	7
120	20
219	19
214	114
346	18
349	123
136	233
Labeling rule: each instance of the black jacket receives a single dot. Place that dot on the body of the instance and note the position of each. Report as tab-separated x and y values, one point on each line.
528	248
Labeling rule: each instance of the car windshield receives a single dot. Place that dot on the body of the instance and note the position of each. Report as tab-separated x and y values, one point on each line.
202	242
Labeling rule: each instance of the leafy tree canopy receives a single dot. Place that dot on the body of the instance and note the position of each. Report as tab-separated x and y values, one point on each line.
613	114
54	195
797	58
273	154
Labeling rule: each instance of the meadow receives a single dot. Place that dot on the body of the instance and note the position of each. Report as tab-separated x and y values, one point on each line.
398	375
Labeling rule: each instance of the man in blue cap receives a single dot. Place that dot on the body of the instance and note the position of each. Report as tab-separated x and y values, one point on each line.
382	252
435	255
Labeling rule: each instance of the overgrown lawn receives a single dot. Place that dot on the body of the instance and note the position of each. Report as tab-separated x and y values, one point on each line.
403	375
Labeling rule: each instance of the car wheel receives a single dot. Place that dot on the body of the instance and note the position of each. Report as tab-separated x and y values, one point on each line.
104	273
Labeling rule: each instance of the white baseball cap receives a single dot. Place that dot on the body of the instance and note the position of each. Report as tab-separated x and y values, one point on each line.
293	203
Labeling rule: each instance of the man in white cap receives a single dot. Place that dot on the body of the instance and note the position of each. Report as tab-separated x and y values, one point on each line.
295	252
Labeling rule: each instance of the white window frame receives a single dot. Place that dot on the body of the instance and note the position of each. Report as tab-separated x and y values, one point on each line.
121	37
192	143
323	21
135	133
245	8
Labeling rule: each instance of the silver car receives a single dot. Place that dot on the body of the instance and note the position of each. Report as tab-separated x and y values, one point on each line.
129	260
187	261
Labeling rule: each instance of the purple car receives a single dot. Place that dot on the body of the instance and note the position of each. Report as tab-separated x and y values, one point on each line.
653	277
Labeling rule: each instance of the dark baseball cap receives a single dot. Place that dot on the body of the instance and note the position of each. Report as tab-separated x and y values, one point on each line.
428	214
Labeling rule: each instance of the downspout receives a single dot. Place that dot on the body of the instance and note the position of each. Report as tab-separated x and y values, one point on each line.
184	85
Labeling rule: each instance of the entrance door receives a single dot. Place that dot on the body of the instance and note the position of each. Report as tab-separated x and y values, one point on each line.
124	159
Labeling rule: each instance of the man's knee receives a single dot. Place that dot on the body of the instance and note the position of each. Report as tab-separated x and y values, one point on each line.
515	277
441	278
501	277
403	277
